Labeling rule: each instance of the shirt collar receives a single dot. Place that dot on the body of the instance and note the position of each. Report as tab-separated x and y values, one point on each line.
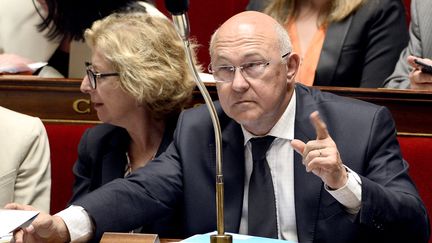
284	127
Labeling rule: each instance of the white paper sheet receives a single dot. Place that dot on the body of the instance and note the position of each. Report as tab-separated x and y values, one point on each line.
14	219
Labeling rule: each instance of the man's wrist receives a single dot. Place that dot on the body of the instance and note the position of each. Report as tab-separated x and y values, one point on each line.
61	230
343	182
78	223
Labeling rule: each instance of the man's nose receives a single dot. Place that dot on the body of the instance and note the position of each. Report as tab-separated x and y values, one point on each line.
239	82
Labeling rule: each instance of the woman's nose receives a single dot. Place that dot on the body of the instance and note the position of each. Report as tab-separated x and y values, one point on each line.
85	85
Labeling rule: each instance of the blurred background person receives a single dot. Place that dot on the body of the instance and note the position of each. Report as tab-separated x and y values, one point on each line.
407	74
25	169
20	41
62	24
138	82
352	43
66	20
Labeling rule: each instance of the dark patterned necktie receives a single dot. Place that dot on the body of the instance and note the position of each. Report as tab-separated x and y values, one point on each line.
262	205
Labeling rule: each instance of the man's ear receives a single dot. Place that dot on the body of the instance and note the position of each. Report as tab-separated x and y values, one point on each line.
293	63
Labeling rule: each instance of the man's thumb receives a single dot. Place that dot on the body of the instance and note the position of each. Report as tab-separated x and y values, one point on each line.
298	146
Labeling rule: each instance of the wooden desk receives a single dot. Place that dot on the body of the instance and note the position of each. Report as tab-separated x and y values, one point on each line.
412	110
56	100
111	237
60	100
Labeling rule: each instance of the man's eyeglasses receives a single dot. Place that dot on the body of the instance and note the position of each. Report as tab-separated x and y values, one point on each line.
250	70
93	76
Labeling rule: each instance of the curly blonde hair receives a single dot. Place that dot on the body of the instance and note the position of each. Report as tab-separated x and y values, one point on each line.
148	54
284	10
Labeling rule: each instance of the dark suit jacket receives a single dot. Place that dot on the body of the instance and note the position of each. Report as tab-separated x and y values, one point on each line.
102	158
362	50
183	178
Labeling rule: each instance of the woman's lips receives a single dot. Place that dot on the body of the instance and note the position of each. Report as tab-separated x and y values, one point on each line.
97	105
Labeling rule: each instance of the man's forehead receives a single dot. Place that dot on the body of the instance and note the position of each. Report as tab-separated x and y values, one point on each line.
244	41
246	25
245	32
250	17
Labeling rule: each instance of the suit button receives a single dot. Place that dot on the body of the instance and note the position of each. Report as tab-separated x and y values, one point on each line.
379	226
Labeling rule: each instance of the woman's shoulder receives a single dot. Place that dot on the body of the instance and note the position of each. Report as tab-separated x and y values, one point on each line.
376	13
104	132
380	5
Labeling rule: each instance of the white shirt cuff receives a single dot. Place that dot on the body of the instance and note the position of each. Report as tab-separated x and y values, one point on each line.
78	223
350	194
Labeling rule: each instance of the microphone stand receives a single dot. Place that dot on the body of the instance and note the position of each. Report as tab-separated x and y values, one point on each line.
182	26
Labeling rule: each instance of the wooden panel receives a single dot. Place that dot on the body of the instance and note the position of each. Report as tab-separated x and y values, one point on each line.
60	100
412	110
111	237
49	99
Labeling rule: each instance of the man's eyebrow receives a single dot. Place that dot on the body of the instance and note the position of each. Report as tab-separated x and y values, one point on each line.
253	54
223	58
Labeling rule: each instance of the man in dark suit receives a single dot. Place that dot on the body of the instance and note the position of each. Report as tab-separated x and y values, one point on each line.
346	183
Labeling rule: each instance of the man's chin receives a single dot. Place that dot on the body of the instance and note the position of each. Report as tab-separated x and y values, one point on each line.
245	118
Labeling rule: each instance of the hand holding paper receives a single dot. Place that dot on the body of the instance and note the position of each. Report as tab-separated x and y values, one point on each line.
11	220
45	228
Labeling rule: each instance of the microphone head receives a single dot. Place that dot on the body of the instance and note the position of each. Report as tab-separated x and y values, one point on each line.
177	7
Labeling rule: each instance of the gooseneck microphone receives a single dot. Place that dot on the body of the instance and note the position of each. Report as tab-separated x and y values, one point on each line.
178	10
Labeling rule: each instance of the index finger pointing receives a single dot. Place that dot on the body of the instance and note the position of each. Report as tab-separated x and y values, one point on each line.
320	126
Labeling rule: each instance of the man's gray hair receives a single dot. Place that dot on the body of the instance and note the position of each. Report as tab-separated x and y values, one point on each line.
282	36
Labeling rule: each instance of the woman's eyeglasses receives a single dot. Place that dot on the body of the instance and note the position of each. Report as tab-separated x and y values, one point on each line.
93	76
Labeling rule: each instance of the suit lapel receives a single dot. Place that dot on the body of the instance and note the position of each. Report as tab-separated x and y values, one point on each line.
307	186
113	166
233	163
114	161
331	51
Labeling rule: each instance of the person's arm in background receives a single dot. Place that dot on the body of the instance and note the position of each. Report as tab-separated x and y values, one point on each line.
419	80
33	181
14	63
386	37
400	77
19	35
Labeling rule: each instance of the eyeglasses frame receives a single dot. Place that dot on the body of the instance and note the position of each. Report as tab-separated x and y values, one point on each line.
264	63
93	76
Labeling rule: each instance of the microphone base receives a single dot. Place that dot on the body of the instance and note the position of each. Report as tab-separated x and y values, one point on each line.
221	238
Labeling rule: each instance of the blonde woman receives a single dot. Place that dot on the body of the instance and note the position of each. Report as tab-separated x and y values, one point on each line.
138	82
353	43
